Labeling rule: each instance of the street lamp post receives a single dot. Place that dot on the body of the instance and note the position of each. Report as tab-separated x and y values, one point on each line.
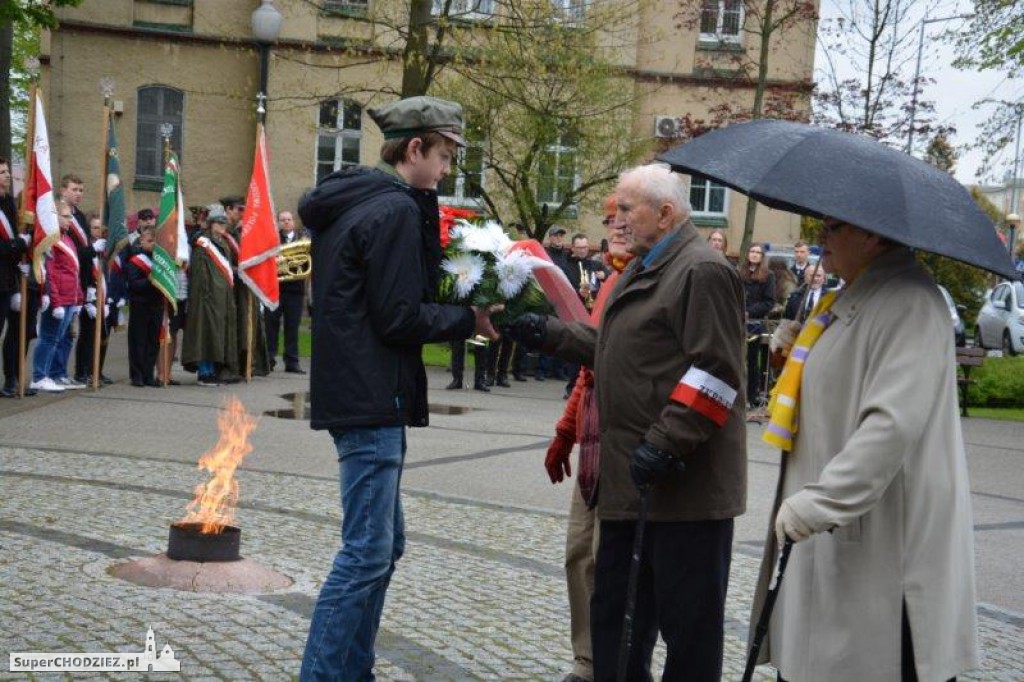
917	72
266	27
1013	222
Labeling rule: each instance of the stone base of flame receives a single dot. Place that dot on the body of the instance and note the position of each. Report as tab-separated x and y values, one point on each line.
240	577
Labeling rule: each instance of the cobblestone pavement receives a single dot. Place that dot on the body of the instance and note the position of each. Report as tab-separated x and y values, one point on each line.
479	595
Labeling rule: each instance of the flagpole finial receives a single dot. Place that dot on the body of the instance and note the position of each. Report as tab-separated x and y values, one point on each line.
33	67
261	106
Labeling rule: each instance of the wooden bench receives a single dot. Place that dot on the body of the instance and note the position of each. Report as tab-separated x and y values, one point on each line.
967	359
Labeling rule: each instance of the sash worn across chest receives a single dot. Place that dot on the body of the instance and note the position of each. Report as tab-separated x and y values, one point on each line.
221	261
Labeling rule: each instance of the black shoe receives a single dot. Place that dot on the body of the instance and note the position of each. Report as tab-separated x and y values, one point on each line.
295	370
84	379
105	380
539	377
29	392
9	392
138	383
153	383
519	376
481	386
455	385
173	382
207	380
503	382
488	381
228	378
573	677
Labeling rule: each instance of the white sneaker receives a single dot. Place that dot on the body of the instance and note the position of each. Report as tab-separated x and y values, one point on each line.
47	384
69	383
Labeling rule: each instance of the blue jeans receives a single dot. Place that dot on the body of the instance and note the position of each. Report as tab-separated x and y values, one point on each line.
51	336
347	613
59	367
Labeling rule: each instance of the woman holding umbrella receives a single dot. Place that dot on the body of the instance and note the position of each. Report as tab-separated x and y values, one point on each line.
873	485
875	482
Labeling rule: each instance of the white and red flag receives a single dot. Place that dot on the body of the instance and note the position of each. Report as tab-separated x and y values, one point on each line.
553	282
260	243
39	198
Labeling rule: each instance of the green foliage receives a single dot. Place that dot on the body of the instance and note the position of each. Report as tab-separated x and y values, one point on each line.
994	38
548	105
35	13
999	382
966	283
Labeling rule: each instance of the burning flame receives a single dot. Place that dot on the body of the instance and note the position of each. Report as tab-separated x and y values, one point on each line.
214	503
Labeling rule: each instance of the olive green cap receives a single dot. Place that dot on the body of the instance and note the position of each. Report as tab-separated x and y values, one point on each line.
417	115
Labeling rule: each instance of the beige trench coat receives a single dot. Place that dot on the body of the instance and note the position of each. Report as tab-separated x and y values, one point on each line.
879	459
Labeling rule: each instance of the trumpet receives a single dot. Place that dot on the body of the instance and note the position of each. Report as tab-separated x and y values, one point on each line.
294	261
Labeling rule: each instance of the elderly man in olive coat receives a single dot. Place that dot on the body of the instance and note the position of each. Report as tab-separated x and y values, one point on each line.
668	369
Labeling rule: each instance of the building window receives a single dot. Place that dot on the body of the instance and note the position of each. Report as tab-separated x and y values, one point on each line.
464	184
338	137
465	9
556	177
343	5
721	21
707	197
158	105
572	11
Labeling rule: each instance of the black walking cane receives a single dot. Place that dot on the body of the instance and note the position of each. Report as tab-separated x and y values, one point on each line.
626	642
766	613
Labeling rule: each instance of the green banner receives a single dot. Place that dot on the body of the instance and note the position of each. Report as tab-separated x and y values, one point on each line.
165	270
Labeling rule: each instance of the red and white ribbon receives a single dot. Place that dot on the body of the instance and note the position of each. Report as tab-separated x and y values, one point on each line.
142	262
218	258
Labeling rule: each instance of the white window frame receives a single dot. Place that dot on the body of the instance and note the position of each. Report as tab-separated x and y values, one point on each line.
466	10
462	180
339	135
558	149
345	4
573	12
703	210
719	36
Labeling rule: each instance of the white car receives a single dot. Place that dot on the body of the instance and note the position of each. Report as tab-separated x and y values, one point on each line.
1001	319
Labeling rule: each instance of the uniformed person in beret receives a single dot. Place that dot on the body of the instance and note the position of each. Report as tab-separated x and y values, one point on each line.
376	258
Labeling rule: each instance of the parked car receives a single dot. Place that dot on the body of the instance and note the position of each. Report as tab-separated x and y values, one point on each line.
1001	319
956	312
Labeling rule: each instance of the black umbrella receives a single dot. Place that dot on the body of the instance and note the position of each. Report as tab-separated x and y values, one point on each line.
821	172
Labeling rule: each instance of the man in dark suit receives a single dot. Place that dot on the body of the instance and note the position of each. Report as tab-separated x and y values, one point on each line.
292	295
796	307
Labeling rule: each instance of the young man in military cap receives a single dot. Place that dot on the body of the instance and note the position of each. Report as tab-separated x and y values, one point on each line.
376	255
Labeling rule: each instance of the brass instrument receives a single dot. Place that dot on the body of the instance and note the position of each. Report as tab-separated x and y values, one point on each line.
294	261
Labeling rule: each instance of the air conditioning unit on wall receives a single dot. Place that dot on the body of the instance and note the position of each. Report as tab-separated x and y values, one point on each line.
666	126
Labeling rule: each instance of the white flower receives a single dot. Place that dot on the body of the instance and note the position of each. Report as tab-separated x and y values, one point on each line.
468	269
487	238
513	269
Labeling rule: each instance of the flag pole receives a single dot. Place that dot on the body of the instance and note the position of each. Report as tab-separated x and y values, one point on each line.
165	326
30	134
101	288
249	335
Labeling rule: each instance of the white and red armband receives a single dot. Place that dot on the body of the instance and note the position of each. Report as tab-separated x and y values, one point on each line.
706	394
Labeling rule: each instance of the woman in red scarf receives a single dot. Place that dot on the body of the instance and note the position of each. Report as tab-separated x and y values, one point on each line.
579	424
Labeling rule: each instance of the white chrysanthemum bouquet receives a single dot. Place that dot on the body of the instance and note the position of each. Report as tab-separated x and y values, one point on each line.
481	268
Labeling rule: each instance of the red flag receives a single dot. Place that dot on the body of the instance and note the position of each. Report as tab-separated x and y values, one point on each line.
39	194
260	244
554	283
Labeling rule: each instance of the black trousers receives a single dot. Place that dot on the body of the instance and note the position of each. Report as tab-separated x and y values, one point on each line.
684	573
459	361
11	338
84	347
503	353
144	340
290	310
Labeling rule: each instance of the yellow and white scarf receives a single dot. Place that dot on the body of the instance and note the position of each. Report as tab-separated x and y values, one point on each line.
785	401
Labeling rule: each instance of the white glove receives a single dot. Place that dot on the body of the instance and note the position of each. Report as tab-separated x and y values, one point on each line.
100	245
133	237
90	294
789	524
16	302
58	312
26	237
24	268
44	304
784	336
90	310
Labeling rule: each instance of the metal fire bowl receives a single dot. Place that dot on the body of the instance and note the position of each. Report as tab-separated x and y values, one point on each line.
188	543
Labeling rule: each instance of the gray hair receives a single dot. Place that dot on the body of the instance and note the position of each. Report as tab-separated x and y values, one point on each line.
660	185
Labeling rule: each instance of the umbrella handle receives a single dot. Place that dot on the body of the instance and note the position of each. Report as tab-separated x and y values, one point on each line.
626	641
766	612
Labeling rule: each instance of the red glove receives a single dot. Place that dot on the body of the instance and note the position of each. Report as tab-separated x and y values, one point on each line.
557	459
